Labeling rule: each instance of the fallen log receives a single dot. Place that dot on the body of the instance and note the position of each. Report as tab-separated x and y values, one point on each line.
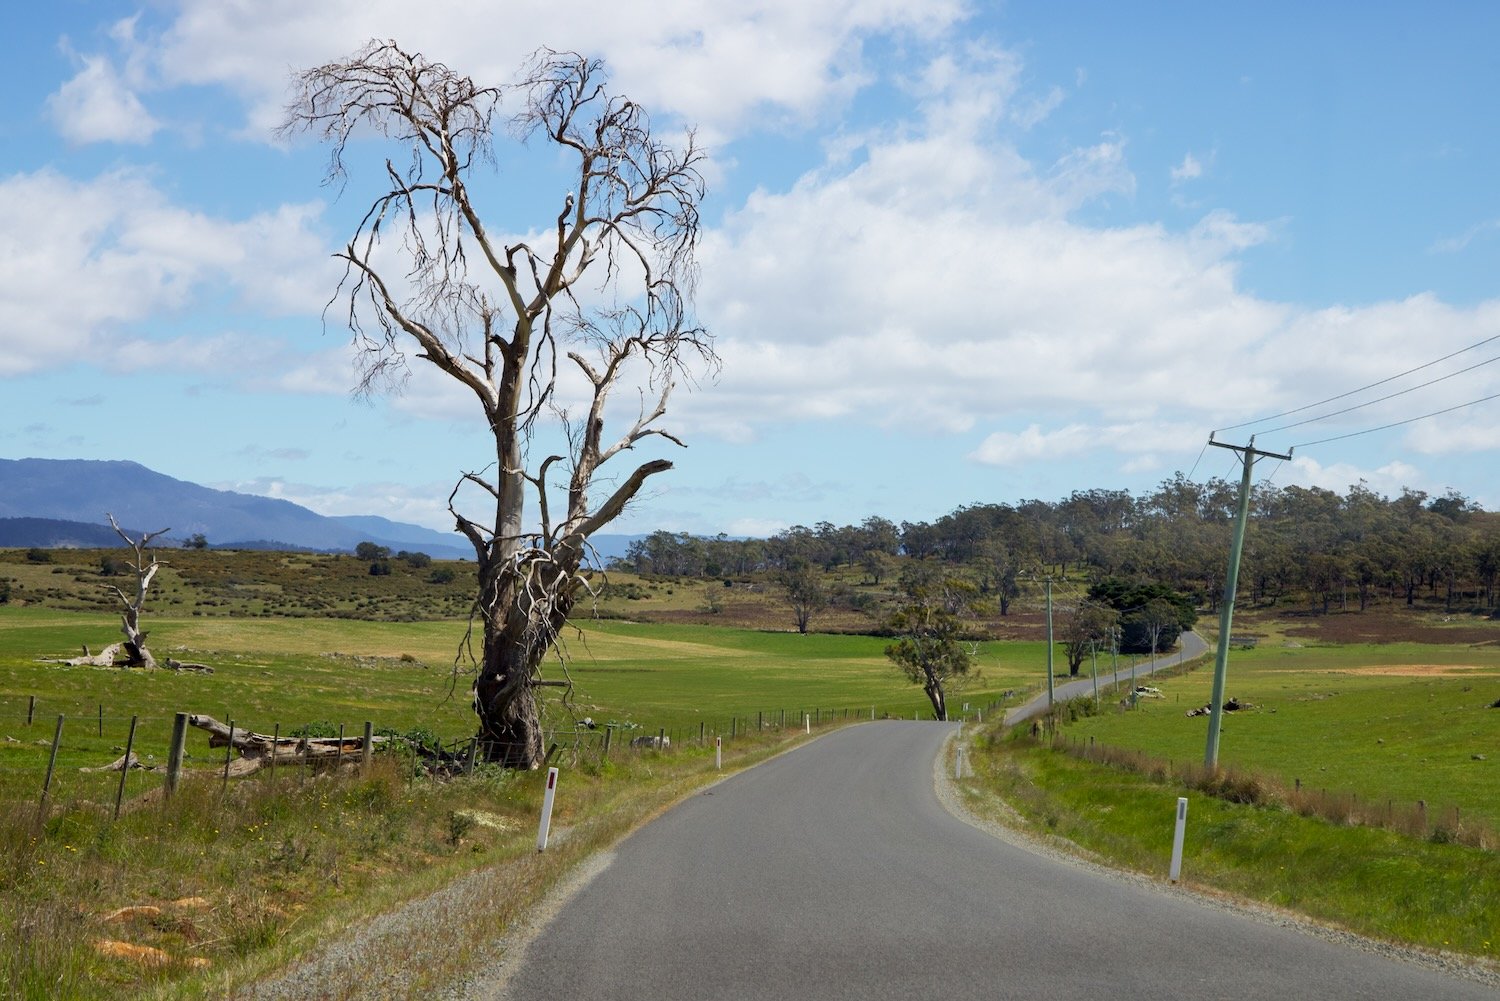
180	665
261	750
122	763
104	658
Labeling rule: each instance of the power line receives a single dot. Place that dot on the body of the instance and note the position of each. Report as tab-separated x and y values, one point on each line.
1389	396
1396	424
1197	460
1352	392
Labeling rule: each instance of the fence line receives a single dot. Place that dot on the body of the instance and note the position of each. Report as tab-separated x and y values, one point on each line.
93	737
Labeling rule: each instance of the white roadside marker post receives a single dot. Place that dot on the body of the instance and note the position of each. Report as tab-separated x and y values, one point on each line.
958	763
1177	835
541	835
807	722
719	753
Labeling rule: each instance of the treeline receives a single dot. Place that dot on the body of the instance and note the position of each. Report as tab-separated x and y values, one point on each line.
1303	542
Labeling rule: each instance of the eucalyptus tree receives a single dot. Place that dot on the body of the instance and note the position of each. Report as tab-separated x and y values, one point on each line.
928	629
538	322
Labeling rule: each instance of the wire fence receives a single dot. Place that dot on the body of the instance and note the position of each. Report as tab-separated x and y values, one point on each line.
108	760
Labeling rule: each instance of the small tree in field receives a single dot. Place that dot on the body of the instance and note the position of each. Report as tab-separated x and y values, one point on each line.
928	648
803	584
601	288
1085	629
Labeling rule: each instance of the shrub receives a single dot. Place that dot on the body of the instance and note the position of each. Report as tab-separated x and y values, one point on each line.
442	575
380	568
416	560
38	555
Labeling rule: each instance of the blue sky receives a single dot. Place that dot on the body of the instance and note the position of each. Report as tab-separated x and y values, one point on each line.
954	252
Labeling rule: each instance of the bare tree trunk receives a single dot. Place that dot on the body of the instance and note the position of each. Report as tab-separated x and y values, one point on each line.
510	732
935	695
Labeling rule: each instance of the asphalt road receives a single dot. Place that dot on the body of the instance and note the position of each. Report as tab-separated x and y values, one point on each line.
1192	645
834	872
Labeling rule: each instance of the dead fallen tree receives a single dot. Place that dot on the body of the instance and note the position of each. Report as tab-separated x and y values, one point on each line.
182	665
123	763
104	658
110	657
263	750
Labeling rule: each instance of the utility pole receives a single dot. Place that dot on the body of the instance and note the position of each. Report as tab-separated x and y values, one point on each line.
1049	644
1094	653
1247	456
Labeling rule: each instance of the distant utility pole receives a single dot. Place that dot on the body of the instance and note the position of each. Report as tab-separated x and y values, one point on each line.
1247	455
1049	644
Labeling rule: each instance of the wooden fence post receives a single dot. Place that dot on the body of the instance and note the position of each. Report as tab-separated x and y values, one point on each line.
275	746
368	750
30	710
51	764
174	751
228	755
129	743
338	756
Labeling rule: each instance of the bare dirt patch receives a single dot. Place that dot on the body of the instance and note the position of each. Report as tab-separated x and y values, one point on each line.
1416	670
1383	625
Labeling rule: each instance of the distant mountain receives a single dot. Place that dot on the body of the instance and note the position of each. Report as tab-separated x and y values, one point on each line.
83	490
413	538
50	533
62	502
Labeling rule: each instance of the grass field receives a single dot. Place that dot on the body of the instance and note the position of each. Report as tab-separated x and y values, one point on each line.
398	675
1397	721
1437	895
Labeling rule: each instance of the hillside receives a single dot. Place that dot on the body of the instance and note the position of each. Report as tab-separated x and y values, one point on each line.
36	492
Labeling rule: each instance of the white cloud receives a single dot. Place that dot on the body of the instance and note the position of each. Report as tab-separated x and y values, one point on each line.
1190	169
1388	479
83	262
418	504
1004	448
1138	440
1455	244
713	64
97	106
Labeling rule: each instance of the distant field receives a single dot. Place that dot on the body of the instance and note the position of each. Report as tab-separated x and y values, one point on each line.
293	672
1402	721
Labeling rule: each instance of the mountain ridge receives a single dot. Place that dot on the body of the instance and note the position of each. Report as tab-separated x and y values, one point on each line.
52	503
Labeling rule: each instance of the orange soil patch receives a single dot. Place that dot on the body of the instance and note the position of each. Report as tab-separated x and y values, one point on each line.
1412	670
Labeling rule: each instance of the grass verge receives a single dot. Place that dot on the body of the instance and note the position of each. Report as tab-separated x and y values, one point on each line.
1376	883
213	891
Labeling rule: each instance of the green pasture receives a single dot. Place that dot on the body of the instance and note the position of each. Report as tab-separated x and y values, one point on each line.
1403	722
1375	882
398	675
673	675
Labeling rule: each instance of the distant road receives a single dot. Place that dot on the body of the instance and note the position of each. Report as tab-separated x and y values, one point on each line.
833	872
1192	646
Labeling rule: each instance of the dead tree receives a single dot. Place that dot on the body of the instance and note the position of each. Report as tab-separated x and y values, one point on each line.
602	288
136	652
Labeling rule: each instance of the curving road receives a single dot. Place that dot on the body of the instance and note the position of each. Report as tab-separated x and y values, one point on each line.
1193	646
834	872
